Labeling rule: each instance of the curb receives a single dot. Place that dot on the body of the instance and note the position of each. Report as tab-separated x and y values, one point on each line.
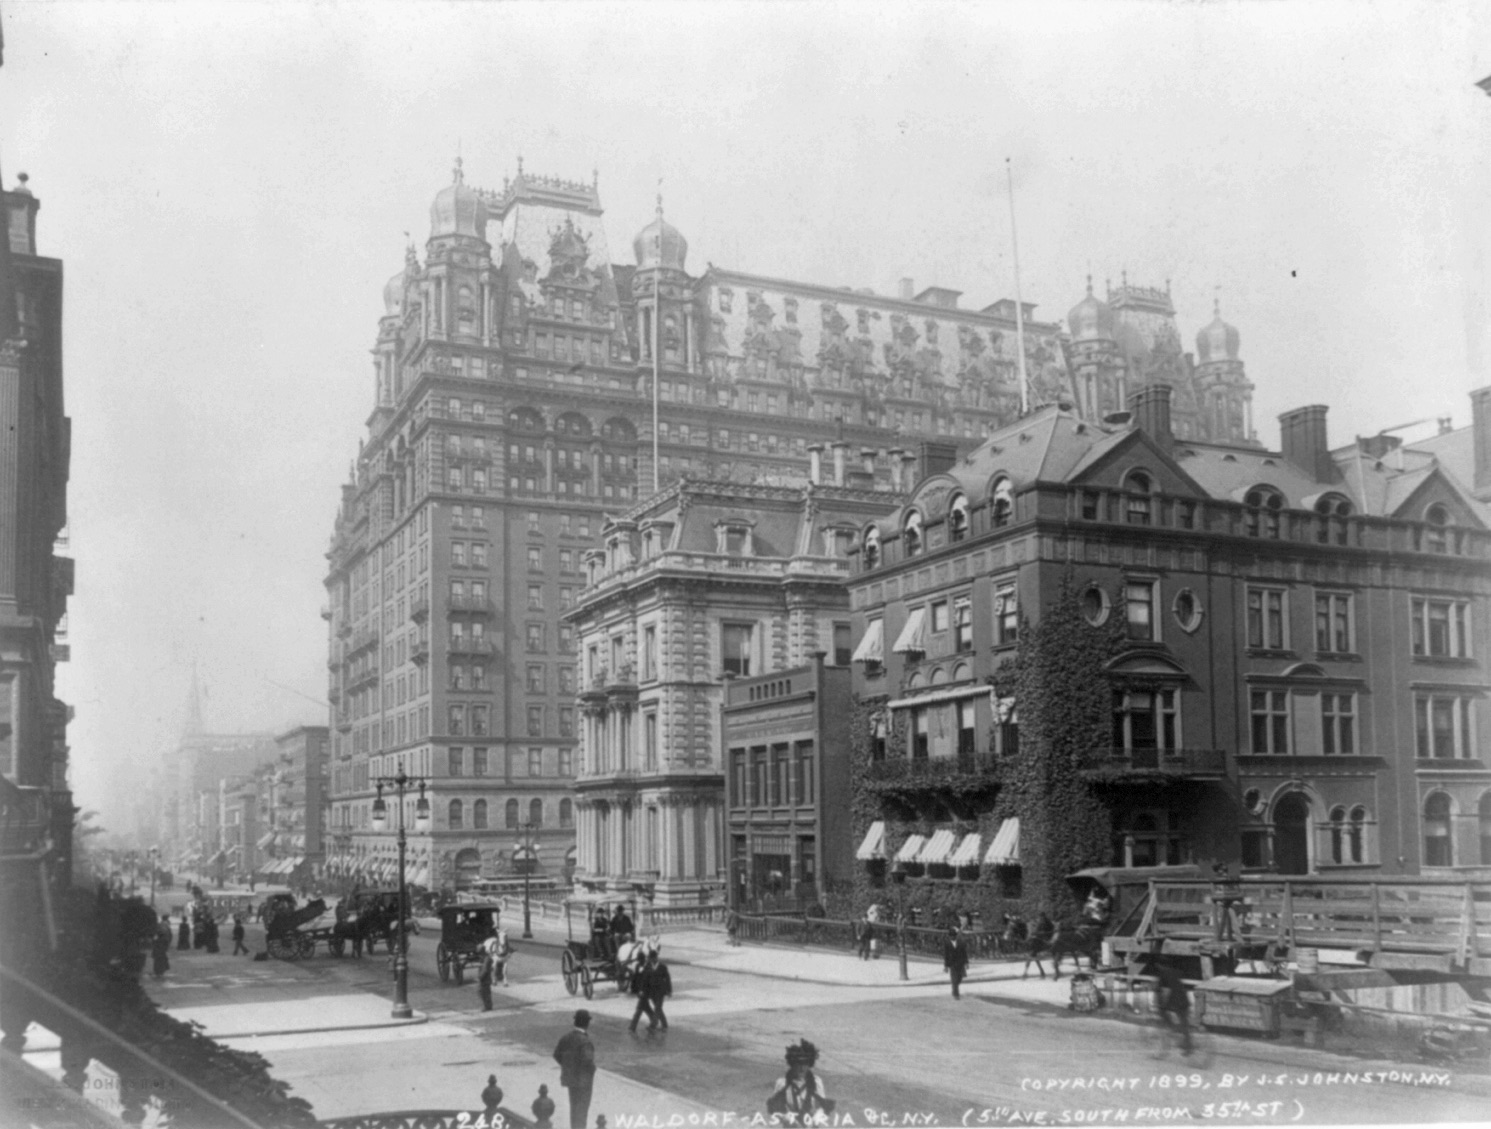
414	1021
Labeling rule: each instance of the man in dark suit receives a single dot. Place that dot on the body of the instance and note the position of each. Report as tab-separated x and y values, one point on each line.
575	1055
654	985
955	958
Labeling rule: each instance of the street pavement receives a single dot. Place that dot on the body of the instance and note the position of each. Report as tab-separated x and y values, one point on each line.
1010	1052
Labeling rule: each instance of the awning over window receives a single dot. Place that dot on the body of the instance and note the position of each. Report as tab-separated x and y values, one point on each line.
933	697
1005	850
938	848
911	848
873	846
871	648
421	877
967	852
266	839
913	636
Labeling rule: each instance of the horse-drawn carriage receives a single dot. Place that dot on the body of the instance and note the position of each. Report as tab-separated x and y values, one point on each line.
601	953
367	916
464	927
286	939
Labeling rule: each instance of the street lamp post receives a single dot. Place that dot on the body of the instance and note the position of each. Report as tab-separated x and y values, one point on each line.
524	850
401	783
900	880
154	858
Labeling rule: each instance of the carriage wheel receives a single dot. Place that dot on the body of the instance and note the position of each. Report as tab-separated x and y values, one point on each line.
305	947
281	948
338	946
587	982
442	962
571	975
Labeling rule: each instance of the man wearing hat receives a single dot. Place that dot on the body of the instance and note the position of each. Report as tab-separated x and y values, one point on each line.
955	958
575	1055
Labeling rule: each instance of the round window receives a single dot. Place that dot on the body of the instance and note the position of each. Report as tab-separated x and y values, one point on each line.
1095	605
1187	610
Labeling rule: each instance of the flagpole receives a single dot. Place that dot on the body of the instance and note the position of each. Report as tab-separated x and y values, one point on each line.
657	318
1019	303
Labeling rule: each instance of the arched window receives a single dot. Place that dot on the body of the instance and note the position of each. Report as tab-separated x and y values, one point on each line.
957	518
510	820
1439	849
1356	834
1264	504
870	547
1338	834
479	814
566	813
525	419
573	424
618	430
1436	539
1002	502
457	815
911	533
1137	506
536	813
1332	506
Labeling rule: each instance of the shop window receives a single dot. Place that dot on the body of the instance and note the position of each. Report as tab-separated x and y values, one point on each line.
1439	847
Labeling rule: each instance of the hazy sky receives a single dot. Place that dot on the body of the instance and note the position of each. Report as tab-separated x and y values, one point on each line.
229	184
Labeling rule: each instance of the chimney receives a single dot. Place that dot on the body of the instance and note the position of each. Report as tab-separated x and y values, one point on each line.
867	461
1151	408
841	450
1480	426
815	464
908	289
895	454
1302	440
1379	445
937	457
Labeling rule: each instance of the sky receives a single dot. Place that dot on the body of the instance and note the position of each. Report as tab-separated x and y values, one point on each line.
229	186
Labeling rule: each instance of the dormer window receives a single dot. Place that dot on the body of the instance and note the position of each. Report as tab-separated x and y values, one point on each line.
1264	504
735	540
911	533
870	547
837	542
1002	500
957	518
1436	540
732	537
1137	506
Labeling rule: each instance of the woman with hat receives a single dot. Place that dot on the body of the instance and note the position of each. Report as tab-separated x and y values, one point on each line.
799	1094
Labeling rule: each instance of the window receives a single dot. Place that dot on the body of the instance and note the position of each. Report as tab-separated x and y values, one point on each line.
566	762
458	553
1338	834
1267	625
1333	626
649	652
535	633
566	680
479	815
1338	723
567	638
457	721
455	755
871	547
536	813
1187	610
1095	605
649	740
735	648
478	762
1443	726
536	597
1436	538
478	678
1137	505
842	650
535	680
921	733
1270	715
1006	615
479	721
911	534
963	625
510	815
1145	720
1139	600
957	518
535	721
1438	846
1002	502
479	554
566	560
967	732
566	813
805	785
455	815
939	617
1441	628
535	559
535	762
1264	504
533	522
566	721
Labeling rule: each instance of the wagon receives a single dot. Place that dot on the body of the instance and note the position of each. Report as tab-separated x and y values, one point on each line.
596	956
286	939
463	928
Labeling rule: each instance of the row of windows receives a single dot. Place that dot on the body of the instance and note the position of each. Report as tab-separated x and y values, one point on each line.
1281	723
1438	825
534	637
781	776
456	814
479	762
578	487
570	525
477	554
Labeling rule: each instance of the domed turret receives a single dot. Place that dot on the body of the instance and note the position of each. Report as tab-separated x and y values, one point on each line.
1091	319
660	244
393	295
458	210
1217	341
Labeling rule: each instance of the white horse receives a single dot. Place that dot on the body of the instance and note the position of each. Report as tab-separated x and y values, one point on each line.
631	956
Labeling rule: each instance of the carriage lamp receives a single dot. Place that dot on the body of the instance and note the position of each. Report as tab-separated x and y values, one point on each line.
422	812
380	811
400	784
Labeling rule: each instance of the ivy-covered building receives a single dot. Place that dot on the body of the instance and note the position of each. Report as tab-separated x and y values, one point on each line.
1102	644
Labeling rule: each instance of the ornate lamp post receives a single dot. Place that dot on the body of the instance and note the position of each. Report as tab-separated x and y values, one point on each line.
401	784
523	849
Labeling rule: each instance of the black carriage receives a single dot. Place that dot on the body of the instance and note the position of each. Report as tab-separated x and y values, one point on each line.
464	926
598	954
286	939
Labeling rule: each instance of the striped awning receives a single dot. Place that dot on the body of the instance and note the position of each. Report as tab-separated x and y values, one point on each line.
935	696
913	636
873	846
871	648
938	847
266	839
1005	850
967	852
911	848
420	877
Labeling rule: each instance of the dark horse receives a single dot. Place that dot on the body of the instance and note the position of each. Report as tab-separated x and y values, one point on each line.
1082	940
373	923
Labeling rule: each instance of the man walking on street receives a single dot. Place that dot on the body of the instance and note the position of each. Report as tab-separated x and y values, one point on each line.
575	1055
654	985
491	949
955	959
238	945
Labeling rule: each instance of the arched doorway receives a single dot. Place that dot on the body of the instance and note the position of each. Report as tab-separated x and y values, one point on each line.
1292	834
468	868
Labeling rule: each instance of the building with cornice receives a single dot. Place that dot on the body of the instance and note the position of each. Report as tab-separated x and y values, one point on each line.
514	372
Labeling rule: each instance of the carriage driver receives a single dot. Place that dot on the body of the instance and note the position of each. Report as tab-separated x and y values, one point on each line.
600	935
622	929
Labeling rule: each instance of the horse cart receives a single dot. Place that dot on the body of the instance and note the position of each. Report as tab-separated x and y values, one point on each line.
463	928
599	954
287	940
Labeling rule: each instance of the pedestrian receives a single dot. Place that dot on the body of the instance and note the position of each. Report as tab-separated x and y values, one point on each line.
491	1098
212	934
653	985
799	1096
866	933
955	958
501	950
184	933
575	1055
732	927
487	970
1172	1000
160	948
543	1108
872	919
238	945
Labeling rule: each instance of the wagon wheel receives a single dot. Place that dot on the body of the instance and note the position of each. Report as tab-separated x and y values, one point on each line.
305	946
442	962
337	945
571	975
587	982
282	948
